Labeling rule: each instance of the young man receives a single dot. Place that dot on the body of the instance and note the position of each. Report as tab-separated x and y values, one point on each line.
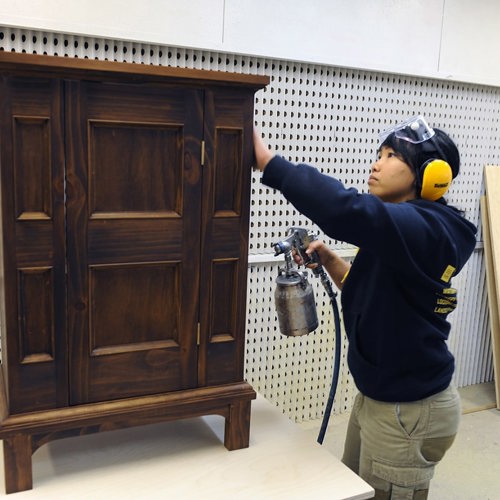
395	297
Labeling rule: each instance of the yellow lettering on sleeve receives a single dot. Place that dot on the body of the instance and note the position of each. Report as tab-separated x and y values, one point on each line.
448	273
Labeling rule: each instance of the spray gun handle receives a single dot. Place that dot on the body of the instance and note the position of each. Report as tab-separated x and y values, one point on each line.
315	259
319	272
309	259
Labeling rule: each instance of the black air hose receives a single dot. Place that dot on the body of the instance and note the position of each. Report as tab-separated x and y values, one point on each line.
336	364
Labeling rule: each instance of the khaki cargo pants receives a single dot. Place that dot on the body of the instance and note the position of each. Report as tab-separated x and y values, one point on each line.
394	447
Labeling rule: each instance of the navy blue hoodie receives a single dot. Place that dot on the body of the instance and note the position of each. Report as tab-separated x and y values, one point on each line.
398	293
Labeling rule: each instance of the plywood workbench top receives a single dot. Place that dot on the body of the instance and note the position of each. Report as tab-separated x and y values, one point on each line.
186	459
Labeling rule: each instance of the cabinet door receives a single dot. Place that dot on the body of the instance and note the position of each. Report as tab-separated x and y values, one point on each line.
33	248
226	189
133	220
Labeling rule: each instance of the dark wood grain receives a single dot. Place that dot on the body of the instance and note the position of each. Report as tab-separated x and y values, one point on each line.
124	249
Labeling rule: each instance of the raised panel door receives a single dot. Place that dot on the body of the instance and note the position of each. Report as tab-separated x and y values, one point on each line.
133	218
226	188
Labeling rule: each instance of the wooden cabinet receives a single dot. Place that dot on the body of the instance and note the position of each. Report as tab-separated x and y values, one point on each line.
124	212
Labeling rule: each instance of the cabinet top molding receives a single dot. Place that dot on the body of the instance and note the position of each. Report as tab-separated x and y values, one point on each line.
95	69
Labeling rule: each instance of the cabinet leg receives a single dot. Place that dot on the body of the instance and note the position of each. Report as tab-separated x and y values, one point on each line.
17	455
237	428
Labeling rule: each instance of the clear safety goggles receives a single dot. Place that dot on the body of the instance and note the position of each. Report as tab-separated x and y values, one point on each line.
414	130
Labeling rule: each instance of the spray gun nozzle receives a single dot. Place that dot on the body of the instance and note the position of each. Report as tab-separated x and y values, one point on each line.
282	247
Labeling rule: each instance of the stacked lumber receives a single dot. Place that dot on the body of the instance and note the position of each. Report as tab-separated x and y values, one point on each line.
490	216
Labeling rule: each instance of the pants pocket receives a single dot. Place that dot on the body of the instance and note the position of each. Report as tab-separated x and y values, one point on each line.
401	480
410	417
433	449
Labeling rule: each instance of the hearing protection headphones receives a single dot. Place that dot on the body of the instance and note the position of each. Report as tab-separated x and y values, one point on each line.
434	178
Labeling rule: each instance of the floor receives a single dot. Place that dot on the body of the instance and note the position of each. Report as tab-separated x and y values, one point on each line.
471	468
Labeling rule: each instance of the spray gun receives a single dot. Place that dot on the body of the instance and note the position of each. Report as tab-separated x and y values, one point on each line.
294	296
295	304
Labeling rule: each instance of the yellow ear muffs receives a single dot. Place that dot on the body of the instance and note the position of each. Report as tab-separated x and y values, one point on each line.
436	179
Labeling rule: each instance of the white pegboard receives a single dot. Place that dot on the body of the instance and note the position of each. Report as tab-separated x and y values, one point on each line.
329	117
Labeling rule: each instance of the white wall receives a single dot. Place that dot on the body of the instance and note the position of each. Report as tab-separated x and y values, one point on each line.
192	23
470	48
450	39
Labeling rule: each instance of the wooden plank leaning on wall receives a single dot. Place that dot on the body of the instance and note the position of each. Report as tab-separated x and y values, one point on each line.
490	215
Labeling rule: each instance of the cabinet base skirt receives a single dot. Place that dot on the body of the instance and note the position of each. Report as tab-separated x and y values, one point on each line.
23	434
